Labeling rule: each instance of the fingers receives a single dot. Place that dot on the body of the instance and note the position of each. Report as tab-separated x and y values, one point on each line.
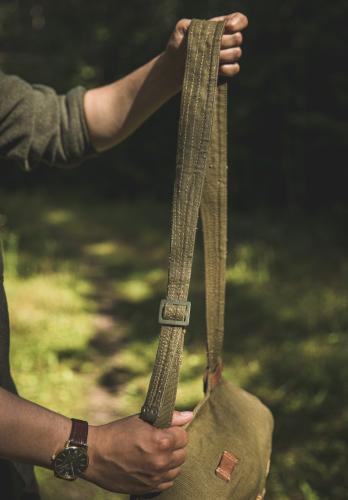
178	458
165	486
183	25
229	61
229	56
173	438
229	41
181	417
171	474
229	70
167	462
231	52
234	22
163	463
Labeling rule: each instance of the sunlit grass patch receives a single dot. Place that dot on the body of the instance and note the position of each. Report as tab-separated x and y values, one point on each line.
251	265
53	489
58	216
48	313
141	286
107	249
84	284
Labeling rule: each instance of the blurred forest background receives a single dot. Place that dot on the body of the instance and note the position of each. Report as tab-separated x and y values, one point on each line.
86	249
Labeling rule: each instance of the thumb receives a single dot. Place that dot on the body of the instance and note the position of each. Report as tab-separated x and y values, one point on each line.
182	417
183	25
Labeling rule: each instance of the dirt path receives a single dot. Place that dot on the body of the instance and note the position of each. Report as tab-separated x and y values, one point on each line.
103	401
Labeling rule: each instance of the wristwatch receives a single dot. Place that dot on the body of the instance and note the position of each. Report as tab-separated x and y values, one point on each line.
72	461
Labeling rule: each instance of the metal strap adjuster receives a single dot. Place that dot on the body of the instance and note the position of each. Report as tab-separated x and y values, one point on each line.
172	321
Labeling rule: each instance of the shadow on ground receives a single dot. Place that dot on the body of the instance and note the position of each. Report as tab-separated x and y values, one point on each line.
286	316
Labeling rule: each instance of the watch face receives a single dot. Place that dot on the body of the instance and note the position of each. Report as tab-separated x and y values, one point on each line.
71	462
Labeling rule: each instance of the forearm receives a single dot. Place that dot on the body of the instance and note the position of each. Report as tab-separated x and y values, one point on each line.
28	432
114	111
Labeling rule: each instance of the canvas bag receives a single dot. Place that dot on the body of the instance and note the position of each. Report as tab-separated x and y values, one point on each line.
231	432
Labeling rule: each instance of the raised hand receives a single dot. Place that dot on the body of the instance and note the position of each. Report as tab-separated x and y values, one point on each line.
230	53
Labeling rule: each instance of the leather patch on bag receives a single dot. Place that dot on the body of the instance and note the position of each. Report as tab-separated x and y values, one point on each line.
226	466
216	376
211	379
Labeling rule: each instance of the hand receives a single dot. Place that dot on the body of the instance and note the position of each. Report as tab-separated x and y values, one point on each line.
131	456
230	44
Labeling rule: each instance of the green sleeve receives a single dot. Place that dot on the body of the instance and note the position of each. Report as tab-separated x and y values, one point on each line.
37	125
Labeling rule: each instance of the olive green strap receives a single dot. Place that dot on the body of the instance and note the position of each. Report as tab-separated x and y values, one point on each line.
195	131
214	222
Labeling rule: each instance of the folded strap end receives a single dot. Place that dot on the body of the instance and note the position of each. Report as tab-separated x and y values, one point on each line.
148	414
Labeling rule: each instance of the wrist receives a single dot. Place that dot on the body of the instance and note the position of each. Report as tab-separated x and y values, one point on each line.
55	429
94	454
71	461
63	427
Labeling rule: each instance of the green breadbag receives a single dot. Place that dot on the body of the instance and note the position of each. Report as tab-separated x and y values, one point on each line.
231	433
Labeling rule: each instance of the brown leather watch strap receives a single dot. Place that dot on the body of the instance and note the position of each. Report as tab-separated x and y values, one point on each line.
79	432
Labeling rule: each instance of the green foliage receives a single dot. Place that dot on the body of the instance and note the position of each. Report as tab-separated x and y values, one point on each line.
288	106
84	299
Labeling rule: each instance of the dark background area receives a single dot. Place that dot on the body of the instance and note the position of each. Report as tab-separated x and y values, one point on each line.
288	107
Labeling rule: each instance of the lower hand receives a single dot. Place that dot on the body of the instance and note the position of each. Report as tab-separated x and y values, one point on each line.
131	456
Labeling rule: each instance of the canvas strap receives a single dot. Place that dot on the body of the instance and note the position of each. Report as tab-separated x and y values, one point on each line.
201	171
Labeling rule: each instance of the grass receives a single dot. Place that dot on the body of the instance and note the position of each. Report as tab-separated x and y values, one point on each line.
84	278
